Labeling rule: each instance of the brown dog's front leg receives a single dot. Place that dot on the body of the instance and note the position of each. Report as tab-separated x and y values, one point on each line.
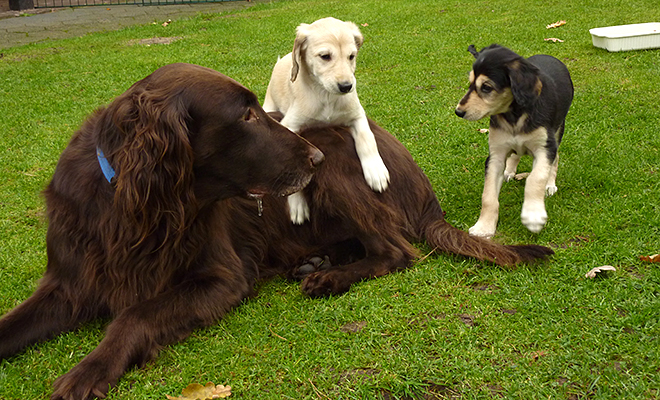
382	258
46	313
139	332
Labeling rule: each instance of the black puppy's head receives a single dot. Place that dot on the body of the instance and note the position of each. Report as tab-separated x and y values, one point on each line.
499	77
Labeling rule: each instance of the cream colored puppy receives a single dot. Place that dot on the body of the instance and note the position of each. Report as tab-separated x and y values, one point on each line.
315	84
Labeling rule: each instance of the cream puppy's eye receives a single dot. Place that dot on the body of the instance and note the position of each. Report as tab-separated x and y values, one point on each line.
351	57
325	57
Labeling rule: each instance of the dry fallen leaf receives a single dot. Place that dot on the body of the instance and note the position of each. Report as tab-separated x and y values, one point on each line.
654	258
365	24
521	176
555	24
169	21
553	39
592	274
483	130
195	391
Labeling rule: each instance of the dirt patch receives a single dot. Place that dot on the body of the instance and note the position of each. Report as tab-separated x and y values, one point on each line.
156	40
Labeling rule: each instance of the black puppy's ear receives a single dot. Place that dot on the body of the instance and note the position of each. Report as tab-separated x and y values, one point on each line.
525	83
473	51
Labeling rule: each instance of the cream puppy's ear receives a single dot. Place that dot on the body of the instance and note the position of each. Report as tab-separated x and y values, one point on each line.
302	31
359	39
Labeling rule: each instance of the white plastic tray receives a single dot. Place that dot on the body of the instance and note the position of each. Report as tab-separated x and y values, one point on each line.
627	37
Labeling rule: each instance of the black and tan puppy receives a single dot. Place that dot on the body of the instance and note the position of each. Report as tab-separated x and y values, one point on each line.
527	101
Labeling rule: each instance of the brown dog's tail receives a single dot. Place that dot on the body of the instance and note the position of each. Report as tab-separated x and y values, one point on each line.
443	236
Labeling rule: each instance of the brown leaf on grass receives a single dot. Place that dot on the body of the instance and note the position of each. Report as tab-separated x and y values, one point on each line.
592	273
483	130
553	39
653	259
536	355
555	24
195	391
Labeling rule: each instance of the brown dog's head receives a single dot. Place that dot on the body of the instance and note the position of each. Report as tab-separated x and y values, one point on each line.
326	50
190	135
499	77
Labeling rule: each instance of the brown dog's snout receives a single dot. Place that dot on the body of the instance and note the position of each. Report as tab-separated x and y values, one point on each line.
460	113
316	157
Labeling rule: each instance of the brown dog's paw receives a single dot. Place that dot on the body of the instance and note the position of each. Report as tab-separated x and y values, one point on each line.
83	382
312	265
324	283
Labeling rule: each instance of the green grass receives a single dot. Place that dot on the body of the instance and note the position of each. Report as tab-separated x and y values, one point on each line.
445	328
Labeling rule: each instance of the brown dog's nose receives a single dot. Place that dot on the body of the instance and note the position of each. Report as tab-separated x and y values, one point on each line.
316	157
460	113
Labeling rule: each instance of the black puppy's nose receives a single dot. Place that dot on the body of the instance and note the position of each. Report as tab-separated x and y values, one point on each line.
345	87
460	113
316	157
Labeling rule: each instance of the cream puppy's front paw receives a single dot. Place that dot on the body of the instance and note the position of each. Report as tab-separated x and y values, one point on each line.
376	173
298	208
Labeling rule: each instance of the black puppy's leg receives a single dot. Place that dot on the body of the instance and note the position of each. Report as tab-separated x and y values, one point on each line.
533	214
551	186
511	166
490	205
140	331
47	312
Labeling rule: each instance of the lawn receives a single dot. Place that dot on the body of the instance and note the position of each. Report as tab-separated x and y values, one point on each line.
447	327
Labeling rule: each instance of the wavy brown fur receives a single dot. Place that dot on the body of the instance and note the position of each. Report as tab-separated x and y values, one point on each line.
173	243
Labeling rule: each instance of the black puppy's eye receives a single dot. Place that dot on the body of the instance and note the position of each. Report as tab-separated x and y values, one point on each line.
325	57
486	88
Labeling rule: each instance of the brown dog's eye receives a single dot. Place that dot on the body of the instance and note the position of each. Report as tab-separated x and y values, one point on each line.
325	57
486	88
250	115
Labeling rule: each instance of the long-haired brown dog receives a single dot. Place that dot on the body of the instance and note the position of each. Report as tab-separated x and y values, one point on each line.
175	238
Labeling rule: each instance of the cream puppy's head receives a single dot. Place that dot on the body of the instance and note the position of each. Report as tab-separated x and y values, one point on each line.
325	51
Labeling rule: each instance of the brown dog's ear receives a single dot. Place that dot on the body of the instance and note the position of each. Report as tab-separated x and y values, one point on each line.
298	50
525	83
473	51
154	162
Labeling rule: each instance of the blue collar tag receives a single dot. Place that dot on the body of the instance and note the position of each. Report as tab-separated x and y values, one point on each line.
107	169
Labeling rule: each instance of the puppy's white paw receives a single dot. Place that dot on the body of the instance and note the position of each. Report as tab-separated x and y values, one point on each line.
508	175
298	208
534	218
482	229
550	190
376	173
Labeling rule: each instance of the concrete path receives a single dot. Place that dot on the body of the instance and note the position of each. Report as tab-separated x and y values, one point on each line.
59	23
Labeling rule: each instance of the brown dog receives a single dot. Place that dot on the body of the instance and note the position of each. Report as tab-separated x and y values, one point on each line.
175	239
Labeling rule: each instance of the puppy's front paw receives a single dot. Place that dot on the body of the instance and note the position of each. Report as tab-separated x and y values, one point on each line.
481	229
298	208
534	218
550	190
509	175
376	173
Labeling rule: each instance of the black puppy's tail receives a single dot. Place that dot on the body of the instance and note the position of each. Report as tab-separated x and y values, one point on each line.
447	238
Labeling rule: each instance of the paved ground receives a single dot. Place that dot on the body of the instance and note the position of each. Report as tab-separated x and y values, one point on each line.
58	23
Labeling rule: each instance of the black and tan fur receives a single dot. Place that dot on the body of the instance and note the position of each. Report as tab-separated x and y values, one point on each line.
527	101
